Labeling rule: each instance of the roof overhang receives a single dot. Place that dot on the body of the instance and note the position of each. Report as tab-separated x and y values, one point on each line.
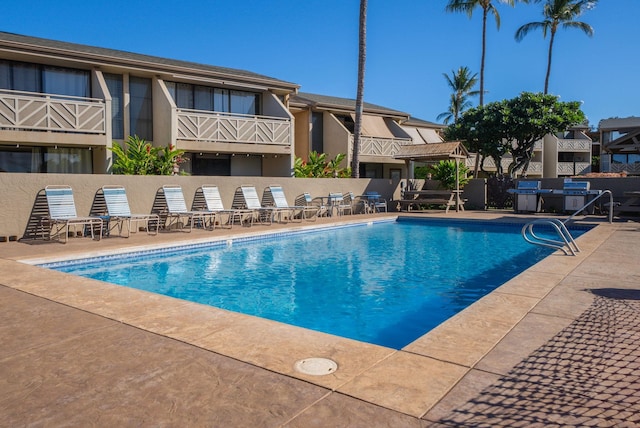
433	152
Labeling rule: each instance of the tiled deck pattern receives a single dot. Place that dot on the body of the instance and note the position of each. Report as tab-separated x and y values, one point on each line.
556	346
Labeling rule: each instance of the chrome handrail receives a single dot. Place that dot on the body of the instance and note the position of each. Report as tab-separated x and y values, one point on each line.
604	192
567	241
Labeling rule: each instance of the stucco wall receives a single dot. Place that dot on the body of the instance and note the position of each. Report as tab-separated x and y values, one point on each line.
19	192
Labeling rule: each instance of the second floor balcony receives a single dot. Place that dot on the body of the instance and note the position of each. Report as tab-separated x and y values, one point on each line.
29	111
574	145
380	146
199	125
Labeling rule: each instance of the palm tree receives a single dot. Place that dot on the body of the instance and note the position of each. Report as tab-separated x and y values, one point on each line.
558	13
461	83
467	6
362	54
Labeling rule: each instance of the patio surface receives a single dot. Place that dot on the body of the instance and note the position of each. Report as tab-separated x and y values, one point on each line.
558	345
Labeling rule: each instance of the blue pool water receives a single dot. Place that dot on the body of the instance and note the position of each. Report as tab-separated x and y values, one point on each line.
386	283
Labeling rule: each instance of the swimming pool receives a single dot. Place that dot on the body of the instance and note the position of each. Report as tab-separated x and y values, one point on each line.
386	283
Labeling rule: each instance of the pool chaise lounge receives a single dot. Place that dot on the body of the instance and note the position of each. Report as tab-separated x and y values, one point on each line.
274	195
249	200
63	214
119	212
213	204
177	210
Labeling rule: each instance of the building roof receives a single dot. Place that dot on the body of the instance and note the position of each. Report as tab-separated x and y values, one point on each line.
620	124
414	121
434	151
325	102
20	43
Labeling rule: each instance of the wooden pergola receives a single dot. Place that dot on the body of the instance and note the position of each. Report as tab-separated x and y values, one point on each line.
434	152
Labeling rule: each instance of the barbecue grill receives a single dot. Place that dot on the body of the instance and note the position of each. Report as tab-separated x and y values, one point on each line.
528	196
577	194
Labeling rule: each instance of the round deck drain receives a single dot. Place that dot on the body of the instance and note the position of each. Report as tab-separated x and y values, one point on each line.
316	366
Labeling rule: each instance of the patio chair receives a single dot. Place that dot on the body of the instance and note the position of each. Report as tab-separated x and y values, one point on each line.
177	209
252	202
63	214
214	205
376	202
119	212
337	202
276	196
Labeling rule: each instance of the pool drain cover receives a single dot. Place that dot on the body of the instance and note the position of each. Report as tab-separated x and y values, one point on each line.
316	366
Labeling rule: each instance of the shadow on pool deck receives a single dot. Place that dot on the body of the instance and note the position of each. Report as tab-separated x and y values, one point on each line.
558	344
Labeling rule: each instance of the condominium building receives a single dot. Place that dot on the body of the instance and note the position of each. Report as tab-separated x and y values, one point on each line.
325	124
63	105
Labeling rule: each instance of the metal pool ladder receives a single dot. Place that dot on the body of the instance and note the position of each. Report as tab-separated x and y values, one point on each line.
566	243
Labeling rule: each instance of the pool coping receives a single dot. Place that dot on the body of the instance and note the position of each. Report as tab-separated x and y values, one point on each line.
375	374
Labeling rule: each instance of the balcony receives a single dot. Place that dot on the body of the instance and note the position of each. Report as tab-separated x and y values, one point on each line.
572	145
198	125
29	111
573	168
380	146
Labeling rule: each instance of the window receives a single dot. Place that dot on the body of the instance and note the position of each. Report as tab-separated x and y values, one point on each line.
46	159
65	82
21	76
243	102
197	97
140	107
317	134
115	86
210	164
619	158
371	170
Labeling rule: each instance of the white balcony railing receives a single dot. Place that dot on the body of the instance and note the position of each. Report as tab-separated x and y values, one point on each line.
198	125
571	145
46	112
573	168
380	146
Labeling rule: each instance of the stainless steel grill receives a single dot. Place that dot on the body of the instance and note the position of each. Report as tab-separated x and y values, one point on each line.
577	194
528	196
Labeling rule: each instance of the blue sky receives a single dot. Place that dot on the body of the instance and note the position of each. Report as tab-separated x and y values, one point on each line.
410	44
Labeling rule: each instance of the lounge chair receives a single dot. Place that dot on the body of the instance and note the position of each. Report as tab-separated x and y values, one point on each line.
214	205
275	195
252	202
63	214
119	212
177	209
337	202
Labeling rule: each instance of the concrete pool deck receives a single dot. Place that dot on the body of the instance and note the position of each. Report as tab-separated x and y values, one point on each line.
558	344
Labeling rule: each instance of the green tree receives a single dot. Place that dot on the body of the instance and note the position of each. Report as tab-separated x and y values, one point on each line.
488	7
514	126
138	157
483	132
362	55
461	82
557	13
318	166
445	172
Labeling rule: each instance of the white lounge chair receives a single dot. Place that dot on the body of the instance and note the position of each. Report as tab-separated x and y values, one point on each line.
119	212
252	202
177	209
63	214
214	205
276	196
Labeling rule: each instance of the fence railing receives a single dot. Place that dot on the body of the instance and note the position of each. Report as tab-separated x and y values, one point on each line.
196	125
380	146
574	145
48	112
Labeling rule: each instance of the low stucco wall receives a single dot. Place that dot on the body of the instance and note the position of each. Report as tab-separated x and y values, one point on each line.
19	192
